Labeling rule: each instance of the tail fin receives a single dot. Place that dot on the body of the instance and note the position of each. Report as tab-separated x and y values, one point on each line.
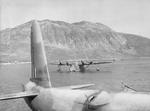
40	73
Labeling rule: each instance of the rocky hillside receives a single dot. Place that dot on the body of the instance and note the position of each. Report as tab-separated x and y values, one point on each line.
71	41
140	44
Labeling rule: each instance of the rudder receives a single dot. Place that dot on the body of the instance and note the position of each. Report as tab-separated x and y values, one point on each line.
40	73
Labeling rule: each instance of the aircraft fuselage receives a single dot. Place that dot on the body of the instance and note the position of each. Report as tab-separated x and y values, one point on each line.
60	100
71	100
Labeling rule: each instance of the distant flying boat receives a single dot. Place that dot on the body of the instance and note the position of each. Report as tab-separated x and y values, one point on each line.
81	64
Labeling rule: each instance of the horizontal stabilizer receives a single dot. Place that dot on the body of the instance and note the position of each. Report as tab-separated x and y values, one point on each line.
78	86
17	95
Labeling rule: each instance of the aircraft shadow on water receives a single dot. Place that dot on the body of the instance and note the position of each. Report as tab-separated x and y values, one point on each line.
41	96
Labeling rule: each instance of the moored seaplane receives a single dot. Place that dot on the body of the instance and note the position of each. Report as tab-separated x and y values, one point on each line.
80	64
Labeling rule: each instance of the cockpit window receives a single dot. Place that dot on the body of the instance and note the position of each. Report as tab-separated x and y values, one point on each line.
91	98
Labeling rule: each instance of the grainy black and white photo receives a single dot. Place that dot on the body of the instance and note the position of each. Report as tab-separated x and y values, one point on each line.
74	55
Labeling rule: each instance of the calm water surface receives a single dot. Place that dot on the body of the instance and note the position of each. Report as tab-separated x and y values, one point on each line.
134	72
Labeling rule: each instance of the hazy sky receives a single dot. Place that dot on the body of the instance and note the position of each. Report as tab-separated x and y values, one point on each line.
130	16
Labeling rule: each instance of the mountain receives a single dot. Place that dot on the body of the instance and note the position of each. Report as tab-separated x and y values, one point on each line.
140	44
71	41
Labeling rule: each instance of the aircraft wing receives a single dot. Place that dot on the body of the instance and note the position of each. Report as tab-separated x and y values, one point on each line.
17	95
70	61
60	63
57	63
82	61
74	87
95	63
105	62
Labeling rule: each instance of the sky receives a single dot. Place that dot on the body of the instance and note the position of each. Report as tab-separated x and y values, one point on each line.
128	16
